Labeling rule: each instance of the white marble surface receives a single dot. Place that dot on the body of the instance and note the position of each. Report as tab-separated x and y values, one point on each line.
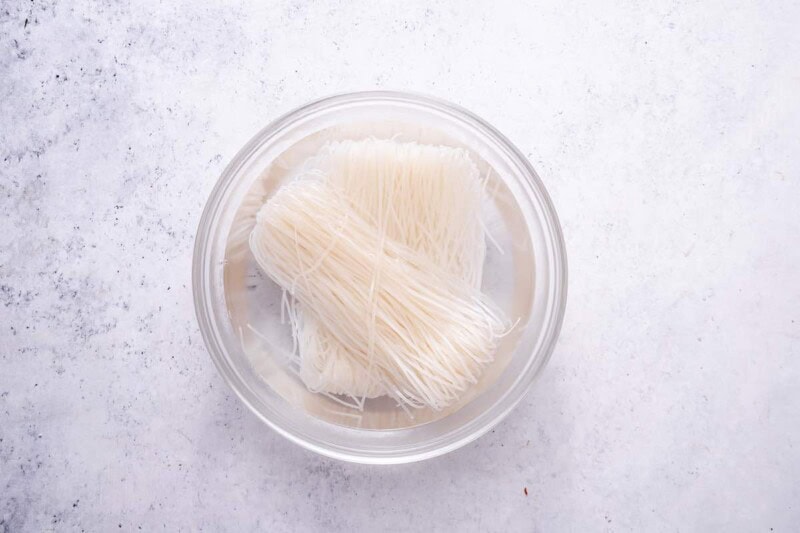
668	134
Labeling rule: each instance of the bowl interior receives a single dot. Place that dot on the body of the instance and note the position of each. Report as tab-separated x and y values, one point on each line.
241	307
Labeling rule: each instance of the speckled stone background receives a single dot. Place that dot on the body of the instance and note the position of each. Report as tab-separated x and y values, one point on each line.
668	134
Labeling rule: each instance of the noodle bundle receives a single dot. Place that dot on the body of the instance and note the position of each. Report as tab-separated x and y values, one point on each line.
381	246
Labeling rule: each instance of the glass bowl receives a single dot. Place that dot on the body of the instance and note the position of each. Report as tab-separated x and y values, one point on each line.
239	309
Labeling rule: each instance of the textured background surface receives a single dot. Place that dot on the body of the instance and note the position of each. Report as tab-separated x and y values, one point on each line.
666	132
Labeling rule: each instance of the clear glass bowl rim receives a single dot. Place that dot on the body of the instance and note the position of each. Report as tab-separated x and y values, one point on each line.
201	293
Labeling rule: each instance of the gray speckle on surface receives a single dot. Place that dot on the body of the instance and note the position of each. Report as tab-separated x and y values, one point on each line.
667	134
